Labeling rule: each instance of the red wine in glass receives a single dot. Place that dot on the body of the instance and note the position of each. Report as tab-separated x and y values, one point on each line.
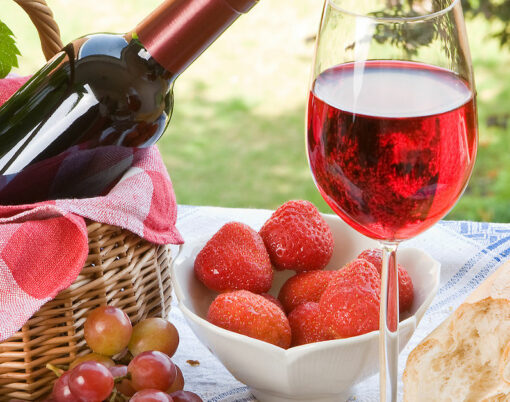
391	144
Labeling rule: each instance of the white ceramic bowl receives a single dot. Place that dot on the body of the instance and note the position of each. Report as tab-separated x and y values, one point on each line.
315	372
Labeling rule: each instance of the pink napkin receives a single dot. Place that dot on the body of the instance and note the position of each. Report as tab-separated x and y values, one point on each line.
43	246
10	85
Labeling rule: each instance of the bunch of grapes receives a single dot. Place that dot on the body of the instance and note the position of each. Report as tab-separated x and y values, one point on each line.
150	376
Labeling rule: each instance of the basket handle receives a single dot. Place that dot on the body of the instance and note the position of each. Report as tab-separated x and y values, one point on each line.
42	18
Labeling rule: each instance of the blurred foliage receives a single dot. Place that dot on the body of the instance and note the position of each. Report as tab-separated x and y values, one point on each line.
237	135
411	37
492	10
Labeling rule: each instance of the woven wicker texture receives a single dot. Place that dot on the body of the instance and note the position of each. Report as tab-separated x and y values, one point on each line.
122	270
42	18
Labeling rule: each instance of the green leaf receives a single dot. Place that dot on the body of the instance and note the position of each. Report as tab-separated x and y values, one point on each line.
8	51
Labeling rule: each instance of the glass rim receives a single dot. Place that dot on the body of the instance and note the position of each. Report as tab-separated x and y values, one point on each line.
418	18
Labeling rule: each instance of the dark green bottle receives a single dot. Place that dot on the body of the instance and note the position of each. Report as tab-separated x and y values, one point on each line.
70	131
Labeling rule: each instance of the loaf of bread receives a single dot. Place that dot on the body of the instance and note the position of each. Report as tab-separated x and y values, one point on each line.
467	358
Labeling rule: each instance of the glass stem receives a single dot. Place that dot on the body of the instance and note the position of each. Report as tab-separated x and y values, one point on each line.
388	323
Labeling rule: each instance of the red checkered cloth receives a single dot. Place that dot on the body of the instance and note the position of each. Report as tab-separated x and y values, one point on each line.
43	246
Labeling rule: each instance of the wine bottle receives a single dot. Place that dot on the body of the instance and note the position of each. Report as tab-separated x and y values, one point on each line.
70	131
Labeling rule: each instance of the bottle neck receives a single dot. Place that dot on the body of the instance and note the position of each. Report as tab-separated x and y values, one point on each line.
178	31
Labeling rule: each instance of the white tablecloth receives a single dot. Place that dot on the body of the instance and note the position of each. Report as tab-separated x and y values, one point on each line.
468	252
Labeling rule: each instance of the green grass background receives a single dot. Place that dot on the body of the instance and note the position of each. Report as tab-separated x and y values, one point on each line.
237	135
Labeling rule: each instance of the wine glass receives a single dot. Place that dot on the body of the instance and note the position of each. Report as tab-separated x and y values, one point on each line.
391	128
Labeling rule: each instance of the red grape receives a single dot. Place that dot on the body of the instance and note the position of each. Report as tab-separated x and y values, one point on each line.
118	370
151	395
61	391
104	360
178	383
108	330
124	386
154	334
91	381
152	369
185	396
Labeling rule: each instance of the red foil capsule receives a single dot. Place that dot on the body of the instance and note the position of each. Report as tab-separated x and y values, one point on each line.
178	31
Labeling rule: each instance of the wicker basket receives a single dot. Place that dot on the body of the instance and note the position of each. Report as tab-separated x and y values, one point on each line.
122	269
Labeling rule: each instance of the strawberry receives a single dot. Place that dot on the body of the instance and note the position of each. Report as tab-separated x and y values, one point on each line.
304	287
350	303
405	284
252	315
307	325
235	258
297	237
274	300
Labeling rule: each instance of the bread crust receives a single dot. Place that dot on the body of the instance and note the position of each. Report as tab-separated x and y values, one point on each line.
467	357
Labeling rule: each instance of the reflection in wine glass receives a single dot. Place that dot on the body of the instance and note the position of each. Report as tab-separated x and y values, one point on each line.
392	128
